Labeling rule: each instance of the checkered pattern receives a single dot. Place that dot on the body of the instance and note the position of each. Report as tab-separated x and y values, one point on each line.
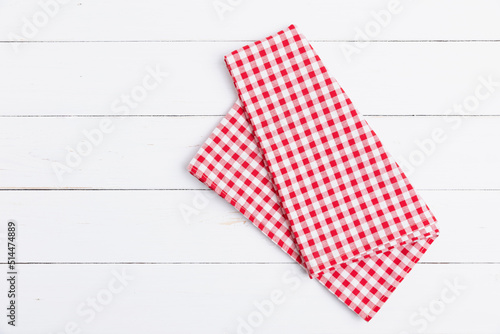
297	160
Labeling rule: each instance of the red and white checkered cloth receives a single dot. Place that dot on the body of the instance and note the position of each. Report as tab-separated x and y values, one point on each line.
295	157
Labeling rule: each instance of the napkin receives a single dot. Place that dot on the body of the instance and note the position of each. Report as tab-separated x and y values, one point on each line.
295	157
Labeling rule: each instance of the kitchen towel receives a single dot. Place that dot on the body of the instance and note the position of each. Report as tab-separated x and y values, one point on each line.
295	157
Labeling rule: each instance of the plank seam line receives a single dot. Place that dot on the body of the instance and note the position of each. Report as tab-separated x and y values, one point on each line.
225	263
253	40
222	115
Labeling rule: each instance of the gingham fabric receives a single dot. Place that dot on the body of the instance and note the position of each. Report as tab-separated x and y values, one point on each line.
295	157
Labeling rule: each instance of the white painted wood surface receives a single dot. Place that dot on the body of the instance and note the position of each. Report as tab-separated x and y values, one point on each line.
123	207
387	78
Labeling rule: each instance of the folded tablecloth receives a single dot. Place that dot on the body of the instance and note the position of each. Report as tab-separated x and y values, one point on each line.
295	157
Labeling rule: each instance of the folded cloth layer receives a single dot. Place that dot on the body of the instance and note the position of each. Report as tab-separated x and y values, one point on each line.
297	160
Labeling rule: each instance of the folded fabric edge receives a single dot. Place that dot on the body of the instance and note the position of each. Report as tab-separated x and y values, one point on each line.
367	316
394	244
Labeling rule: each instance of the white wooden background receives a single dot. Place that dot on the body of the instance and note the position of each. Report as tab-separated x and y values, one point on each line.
121	208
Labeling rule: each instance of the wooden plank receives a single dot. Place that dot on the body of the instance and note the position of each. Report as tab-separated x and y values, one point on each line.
384	79
151	298
152	152
199	226
199	20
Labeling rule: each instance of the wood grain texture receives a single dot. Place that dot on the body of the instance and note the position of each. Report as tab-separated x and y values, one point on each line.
198	227
152	152
213	298
384	79
197	264
117	20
